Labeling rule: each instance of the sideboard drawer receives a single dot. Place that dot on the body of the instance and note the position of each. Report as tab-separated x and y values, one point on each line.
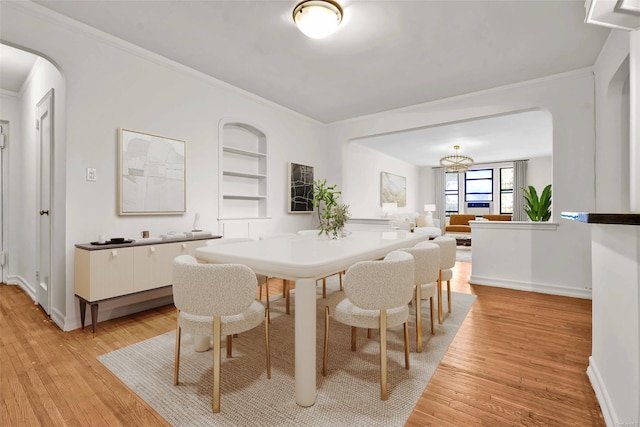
104	274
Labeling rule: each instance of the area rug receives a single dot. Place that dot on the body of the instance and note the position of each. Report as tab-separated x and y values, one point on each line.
348	396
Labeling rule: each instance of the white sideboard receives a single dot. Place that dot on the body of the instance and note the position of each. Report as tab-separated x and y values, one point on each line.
104	272
363	224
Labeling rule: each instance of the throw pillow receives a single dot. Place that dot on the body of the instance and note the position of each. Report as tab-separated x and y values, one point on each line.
430	222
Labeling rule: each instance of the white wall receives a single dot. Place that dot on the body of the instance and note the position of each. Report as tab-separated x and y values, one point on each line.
634	143
110	84
361	190
427	188
612	131
509	255
540	172
10	111
614	365
563	256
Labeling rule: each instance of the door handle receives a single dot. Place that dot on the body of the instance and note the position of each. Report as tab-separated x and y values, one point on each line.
44	212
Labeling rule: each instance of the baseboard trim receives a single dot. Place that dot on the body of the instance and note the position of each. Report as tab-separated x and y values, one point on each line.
602	395
531	287
24	285
58	317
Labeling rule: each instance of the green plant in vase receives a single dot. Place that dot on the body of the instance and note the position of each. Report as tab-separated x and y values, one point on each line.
538	208
332	215
340	214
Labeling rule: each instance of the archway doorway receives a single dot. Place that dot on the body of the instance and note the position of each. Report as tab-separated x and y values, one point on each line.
30	110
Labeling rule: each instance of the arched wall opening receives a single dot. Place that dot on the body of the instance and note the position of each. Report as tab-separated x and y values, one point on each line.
492	141
19	107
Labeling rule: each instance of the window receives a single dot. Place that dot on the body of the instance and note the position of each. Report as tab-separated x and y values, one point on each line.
479	185
451	193
506	190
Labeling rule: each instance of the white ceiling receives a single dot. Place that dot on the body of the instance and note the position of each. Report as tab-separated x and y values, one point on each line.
15	65
517	136
385	55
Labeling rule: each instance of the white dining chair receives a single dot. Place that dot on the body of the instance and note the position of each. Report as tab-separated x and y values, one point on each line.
263	281
447	262
215	300
426	257
376	296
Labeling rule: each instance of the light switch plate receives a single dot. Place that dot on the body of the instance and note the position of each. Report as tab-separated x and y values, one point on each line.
91	174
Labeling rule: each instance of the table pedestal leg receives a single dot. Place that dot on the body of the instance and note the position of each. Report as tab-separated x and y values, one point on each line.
305	345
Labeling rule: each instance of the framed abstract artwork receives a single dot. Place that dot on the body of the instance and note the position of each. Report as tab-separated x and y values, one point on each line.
151	174
393	189
300	188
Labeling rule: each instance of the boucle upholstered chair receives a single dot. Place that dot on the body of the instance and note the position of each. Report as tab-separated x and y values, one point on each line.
447	262
426	258
376	296
263	281
215	300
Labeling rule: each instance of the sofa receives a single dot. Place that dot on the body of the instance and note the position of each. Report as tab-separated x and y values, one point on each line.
459	223
432	229
417	223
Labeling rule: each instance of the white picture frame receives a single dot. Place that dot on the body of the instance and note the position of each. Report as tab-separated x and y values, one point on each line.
393	189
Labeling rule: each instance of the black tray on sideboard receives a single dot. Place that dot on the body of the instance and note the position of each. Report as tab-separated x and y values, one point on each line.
109	242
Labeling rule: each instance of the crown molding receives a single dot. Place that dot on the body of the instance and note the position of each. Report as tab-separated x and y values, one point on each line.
5	92
100	36
620	14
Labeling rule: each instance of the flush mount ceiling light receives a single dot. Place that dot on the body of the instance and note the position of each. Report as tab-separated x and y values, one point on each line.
456	162
317	18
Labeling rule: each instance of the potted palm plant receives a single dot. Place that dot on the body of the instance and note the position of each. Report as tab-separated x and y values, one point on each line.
538	208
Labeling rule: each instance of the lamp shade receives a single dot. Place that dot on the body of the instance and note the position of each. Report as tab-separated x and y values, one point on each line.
429	208
317	18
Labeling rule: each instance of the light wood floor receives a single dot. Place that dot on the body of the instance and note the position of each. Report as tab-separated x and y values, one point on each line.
519	359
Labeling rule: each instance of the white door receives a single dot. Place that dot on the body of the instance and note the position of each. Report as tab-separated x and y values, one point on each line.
4	135
44	127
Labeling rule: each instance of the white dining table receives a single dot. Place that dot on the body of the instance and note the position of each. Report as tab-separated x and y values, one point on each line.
305	259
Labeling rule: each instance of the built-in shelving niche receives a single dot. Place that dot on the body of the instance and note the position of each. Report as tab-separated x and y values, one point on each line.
243	175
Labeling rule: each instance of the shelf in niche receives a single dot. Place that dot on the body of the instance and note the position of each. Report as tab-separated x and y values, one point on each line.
242	197
243	152
243	174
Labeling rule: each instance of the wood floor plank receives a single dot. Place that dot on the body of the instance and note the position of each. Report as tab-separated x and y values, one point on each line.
528	351
519	359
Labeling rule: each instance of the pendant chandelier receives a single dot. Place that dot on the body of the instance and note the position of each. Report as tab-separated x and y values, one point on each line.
456	162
